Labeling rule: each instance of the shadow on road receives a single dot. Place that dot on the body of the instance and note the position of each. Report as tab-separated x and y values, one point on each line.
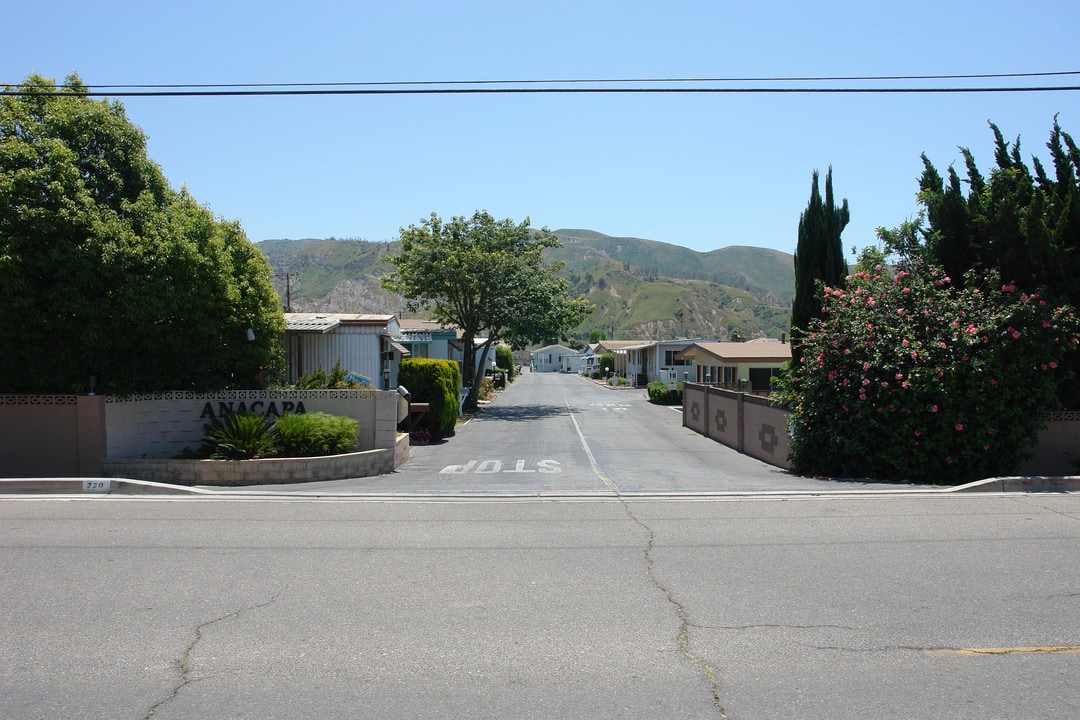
519	412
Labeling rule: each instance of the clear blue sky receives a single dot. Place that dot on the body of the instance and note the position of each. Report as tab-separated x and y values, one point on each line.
702	171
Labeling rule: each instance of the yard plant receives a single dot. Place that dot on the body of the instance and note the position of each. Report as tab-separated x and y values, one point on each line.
250	435
909	377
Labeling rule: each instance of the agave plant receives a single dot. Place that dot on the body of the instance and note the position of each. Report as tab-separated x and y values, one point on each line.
240	436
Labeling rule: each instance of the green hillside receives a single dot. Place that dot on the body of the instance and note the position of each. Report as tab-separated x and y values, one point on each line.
642	289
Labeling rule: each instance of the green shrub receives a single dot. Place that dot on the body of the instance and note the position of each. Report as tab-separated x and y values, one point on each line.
606	364
436	382
240	436
504	359
308	434
659	394
336	379
907	377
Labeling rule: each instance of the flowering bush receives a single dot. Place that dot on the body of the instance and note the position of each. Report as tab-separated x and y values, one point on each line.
907	377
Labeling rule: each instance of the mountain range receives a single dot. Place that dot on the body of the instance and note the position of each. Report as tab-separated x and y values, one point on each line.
641	289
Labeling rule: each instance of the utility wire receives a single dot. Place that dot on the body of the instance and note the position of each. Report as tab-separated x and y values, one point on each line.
525	91
506	87
578	81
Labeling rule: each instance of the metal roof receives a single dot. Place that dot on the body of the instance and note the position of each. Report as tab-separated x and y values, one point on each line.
325	322
736	352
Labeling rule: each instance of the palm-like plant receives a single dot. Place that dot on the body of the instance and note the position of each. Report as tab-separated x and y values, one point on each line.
240	436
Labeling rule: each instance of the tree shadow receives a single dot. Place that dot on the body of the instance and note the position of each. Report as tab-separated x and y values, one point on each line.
520	413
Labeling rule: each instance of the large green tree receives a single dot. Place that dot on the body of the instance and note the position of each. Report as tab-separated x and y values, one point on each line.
487	277
819	257
108	273
1023	223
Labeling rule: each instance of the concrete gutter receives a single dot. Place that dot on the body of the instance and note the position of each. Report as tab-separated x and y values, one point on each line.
101	487
1021	484
92	486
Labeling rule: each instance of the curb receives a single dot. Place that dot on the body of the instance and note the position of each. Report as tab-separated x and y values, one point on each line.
1022	484
101	487
92	486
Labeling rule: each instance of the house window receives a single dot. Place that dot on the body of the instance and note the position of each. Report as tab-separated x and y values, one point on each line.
670	361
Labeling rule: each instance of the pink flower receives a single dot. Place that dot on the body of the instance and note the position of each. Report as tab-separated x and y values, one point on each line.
866	366
1053	364
933	408
959	427
905	343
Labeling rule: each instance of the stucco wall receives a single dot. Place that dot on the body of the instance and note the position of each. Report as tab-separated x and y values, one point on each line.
750	425
71	435
51	435
163	425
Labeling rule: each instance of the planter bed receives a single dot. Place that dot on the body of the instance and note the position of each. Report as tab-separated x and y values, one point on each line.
268	471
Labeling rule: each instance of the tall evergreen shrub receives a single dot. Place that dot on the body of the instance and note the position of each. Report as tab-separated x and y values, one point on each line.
435	382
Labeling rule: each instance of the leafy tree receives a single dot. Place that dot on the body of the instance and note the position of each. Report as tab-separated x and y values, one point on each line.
819	257
488	278
909	377
1023	224
596	336
106	272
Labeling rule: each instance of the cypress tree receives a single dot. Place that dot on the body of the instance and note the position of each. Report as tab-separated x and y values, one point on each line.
819	256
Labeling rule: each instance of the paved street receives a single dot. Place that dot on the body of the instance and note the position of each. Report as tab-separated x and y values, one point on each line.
572	552
551	433
833	608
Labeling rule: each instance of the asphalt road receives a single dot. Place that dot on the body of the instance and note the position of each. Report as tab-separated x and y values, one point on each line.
551	433
948	607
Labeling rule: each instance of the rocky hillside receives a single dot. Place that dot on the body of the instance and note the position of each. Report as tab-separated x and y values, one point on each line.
642	289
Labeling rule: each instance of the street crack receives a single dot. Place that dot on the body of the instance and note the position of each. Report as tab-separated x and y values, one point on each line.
680	611
184	663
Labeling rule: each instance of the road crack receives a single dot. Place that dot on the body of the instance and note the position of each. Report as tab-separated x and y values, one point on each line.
680	611
184	663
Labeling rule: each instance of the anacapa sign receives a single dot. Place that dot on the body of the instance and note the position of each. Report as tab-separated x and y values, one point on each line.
270	409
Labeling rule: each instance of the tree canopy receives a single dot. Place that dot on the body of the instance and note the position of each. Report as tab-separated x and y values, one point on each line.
487	277
106	272
819	256
1023	223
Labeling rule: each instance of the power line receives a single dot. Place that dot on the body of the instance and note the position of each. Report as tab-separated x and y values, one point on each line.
597	81
526	91
572	86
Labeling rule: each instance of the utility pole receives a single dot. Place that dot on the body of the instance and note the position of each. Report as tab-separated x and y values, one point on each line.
288	288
